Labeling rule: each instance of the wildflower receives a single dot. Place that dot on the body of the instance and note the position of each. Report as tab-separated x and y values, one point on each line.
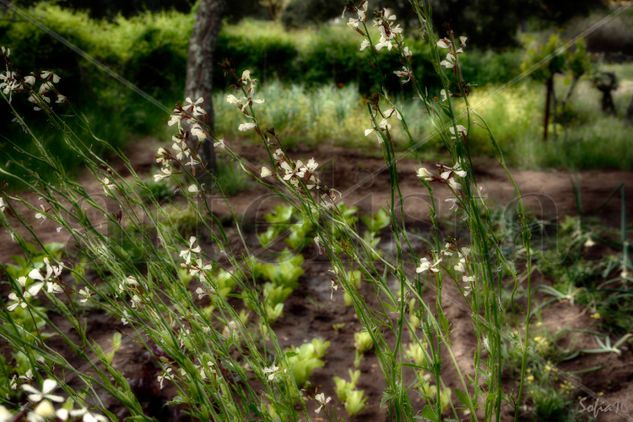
456	170
193	189
17	301
407	52
219	144
322	400
270	372
86	416
3	204
444	43
596	315
364	44
232	99
265	172
186	254
165	172
85	294
589	243
460	266
193	107
108	186
167	375
198	132
50	76
244	127
361	13
404	74
461	130
425	265
125	319
424	174
5	414
48	386
47	279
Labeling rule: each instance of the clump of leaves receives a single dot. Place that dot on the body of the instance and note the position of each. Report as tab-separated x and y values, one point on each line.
282	277
304	359
353	279
363	344
346	391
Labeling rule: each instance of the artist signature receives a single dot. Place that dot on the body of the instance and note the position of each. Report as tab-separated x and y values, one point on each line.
599	405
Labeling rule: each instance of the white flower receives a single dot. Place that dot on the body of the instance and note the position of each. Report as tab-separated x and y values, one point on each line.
108	186
48	386
449	61
322	400
246	75
589	243
198	132
424	174
193	249
364	44
50	75
232	99
463	40
270	372
266	172
87	416
461	130
460	266
165	172
407	52
219	144
29	80
193	107
311	165
3	205
384	124
5	414
443	95
444	43
425	265
368	132
246	126
193	189
85	295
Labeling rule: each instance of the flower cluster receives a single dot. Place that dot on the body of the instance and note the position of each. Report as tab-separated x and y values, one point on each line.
43	402
390	32
382	122
192	260
191	134
41	88
33	284
450	60
294	173
247	85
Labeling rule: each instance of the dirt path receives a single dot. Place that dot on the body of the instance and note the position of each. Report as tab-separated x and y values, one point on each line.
363	181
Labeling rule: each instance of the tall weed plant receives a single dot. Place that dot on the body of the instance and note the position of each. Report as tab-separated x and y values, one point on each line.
197	303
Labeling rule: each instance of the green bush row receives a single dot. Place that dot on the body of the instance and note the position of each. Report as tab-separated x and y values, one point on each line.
150	50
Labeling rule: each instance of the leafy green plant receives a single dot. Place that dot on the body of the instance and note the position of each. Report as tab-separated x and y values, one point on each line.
305	359
353	398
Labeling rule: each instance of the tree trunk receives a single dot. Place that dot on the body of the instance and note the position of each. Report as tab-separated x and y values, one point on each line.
548	105
199	81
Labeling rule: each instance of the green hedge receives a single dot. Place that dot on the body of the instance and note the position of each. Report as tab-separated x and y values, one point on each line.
151	50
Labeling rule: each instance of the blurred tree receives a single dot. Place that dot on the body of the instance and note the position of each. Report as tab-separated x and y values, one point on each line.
544	61
557	11
275	8
199	82
302	12
606	83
